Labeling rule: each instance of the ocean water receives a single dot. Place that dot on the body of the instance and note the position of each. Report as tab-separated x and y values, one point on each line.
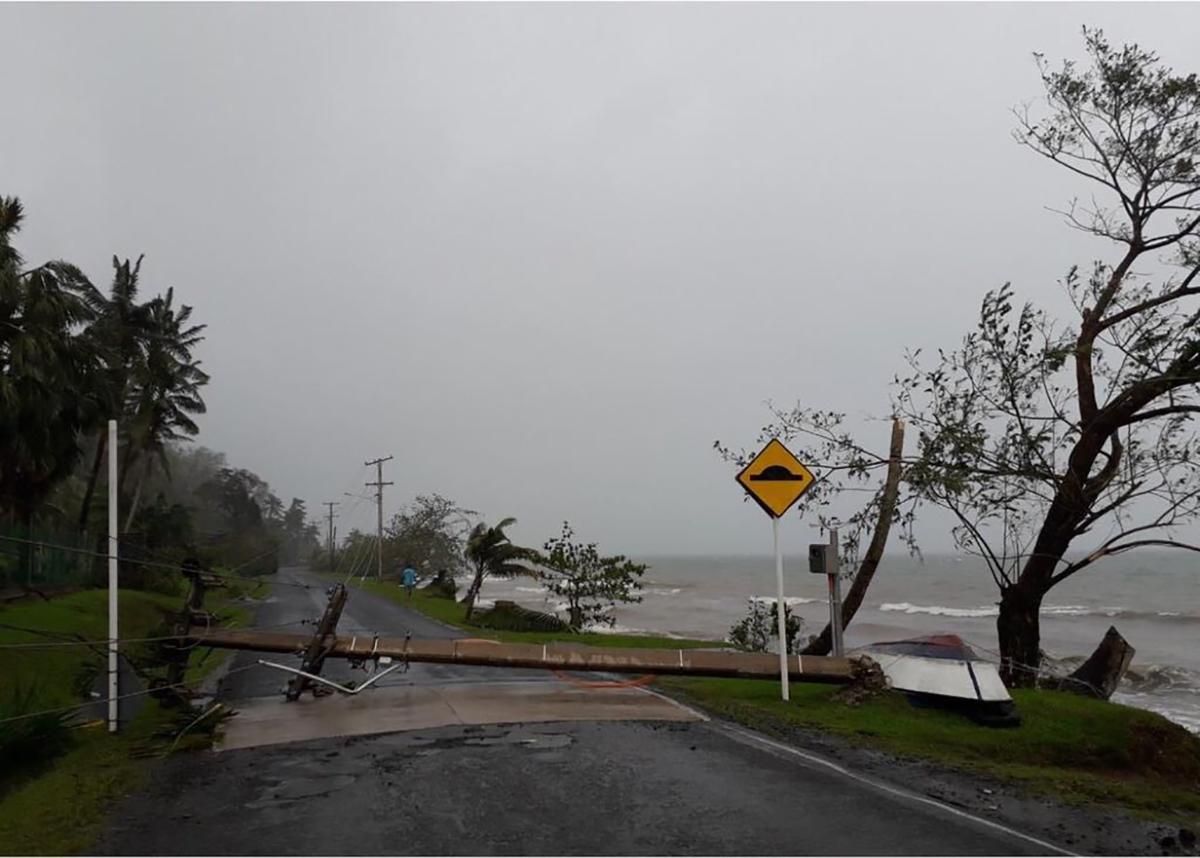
1152	599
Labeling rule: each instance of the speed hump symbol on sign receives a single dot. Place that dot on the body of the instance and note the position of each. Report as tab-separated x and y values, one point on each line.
775	478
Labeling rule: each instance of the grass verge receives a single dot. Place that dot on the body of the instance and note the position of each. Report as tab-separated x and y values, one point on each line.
61	809
1071	748
56	804
453	613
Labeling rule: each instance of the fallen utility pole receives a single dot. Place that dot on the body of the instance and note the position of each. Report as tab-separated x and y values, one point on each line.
319	644
679	662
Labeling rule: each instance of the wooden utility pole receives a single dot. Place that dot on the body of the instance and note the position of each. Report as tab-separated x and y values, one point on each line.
321	644
331	505
484	653
379	484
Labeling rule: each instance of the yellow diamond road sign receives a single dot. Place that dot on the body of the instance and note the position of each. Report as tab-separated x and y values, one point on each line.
775	478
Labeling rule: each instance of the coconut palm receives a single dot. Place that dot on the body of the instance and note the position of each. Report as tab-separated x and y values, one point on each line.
45	371
119	334
164	393
491	552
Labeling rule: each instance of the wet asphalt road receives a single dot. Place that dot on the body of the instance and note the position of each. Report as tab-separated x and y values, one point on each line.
544	789
365	614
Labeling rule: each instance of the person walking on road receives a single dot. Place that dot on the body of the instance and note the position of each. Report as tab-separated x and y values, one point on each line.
409	578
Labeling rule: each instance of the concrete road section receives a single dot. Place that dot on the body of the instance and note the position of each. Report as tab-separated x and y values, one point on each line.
421	707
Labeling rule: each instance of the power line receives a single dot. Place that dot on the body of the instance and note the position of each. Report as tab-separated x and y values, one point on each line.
78	706
106	642
359	558
351	559
147	563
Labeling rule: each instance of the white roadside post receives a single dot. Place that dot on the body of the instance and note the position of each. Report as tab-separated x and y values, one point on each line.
776	479
113	685
781	612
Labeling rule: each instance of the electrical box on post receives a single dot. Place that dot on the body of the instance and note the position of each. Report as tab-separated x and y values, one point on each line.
818	558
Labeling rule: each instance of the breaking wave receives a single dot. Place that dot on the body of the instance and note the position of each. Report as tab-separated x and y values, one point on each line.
1144	679
661	591
617	629
1047	611
646	591
789	600
938	610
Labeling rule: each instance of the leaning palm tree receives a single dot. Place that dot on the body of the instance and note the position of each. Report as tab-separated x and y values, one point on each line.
162	417
491	552
164	395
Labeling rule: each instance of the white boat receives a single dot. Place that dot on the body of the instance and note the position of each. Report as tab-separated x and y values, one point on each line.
942	671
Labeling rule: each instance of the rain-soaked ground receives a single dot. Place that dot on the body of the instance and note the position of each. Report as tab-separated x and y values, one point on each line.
307	779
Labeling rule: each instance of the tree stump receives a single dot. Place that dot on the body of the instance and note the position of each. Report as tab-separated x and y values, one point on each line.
1099	676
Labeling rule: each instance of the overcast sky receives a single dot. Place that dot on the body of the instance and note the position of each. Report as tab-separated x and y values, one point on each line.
545	255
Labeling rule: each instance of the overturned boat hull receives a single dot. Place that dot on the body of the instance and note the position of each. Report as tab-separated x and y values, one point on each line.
943	672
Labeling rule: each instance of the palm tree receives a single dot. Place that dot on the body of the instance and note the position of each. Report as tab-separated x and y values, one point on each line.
45	370
491	552
164	394
119	333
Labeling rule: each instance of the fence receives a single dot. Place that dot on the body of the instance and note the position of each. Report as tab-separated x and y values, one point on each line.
42	565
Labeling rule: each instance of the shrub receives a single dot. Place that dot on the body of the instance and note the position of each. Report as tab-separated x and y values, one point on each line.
753	633
30	741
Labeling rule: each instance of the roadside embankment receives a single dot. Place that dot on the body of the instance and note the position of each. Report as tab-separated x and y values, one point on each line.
59	772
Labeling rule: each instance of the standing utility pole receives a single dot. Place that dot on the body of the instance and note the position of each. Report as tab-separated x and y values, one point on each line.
379	484
331	505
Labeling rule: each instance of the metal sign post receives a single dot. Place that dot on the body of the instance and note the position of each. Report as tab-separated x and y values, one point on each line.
835	593
781	611
776	479
823	560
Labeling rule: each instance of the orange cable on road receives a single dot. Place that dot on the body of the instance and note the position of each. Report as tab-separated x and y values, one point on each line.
636	682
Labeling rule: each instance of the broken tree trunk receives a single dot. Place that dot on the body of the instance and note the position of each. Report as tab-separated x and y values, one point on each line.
822	643
1101	673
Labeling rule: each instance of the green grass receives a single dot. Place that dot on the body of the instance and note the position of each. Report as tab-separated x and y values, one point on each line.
61	675
453	613
57	806
61	811
1076	749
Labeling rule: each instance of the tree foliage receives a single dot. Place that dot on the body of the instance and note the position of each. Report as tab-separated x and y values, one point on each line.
755	631
491	553
430	533
46	366
72	358
591	583
1037	434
